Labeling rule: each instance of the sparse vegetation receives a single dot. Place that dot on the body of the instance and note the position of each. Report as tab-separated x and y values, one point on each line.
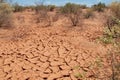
115	8
6	19
99	7
112	32
51	7
18	8
112	35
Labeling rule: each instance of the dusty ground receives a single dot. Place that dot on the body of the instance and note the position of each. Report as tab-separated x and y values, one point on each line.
58	52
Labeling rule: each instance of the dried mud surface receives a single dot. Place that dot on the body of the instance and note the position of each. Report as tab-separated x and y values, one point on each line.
52	53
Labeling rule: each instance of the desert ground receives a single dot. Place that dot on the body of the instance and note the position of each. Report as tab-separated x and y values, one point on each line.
57	52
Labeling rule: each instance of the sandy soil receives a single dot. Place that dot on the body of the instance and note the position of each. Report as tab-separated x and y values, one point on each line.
58	52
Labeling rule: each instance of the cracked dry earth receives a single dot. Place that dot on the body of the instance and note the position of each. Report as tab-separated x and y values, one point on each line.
52	53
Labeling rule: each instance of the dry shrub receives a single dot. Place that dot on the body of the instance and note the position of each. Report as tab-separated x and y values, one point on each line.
47	18
6	18
74	19
109	20
44	16
41	15
88	13
73	12
20	33
115	8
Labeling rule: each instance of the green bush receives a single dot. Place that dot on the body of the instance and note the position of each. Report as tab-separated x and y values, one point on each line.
51	7
18	8
6	19
99	7
111	34
70	8
39	8
115	8
83	6
30	7
72	11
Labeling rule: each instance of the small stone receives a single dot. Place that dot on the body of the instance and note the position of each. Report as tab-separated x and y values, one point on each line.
54	69
29	55
48	71
43	58
65	67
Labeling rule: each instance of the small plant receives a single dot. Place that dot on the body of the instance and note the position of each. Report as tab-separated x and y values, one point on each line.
107	40
76	67
78	75
20	33
99	62
99	7
72	11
